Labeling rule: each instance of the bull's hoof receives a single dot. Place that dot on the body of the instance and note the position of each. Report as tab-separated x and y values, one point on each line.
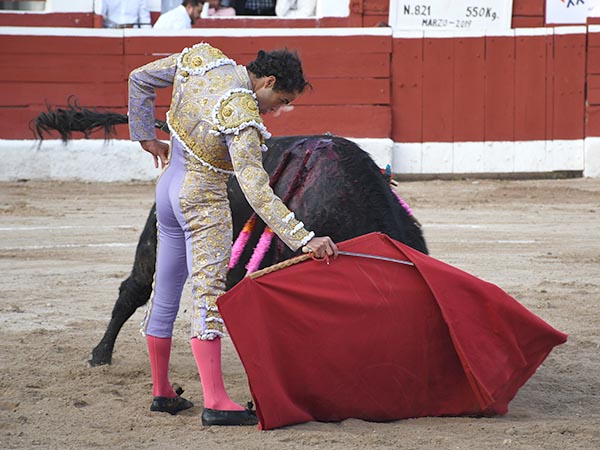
100	357
93	363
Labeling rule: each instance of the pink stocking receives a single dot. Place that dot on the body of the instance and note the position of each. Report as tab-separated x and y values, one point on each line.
160	353
208	359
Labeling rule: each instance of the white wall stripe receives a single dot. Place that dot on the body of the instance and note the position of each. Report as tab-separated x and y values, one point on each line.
121	160
274	32
49	247
68	227
198	32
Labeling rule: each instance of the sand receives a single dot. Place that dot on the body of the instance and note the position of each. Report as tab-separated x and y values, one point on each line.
66	246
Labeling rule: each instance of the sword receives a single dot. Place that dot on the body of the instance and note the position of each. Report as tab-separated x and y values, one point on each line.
381	258
305	256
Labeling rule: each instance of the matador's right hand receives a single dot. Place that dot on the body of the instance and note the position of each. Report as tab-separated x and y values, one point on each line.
158	150
321	247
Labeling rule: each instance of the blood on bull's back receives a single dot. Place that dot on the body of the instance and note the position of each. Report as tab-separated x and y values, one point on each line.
334	187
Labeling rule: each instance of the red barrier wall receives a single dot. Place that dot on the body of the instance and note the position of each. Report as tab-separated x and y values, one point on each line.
497	88
350	76
494	88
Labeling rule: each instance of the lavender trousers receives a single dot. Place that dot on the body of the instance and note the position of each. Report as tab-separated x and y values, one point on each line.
194	237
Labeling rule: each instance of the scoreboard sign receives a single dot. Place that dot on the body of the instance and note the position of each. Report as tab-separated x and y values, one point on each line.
454	15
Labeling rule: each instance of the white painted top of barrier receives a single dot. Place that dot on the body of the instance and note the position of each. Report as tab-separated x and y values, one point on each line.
200	32
542	31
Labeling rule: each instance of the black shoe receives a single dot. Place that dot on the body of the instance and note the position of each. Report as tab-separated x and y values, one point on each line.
170	405
218	417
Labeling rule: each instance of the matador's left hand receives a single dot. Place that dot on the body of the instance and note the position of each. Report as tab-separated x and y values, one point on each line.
158	149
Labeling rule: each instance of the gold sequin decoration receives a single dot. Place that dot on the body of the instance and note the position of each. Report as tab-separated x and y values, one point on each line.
238	109
205	206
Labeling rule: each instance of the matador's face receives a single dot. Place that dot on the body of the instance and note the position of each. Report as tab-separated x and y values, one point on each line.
269	99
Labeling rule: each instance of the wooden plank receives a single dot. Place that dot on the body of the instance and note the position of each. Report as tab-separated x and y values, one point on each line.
499	89
376	6
469	89
306	45
529	7
376	20
407	90
593	90
69	20
528	22
592	128
89	94
268	22
593	60
438	91
349	121
530	88
569	86
328	91
62	69
61	45
335	65
594	38
550	60
347	91
14	121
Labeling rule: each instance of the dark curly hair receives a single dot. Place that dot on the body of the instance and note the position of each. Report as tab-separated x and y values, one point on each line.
284	65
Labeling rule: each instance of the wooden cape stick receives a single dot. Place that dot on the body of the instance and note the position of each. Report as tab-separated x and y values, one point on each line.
281	265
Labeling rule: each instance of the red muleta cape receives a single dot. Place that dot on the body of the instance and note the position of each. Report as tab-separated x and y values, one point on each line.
379	341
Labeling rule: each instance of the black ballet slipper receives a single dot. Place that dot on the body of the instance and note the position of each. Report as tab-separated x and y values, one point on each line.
219	417
171	405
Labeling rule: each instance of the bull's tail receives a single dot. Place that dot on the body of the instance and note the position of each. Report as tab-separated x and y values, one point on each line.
74	118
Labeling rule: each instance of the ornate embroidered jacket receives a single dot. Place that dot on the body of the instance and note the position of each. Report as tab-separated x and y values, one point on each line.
214	114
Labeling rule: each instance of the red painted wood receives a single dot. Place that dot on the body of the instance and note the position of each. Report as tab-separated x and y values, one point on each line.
594	39
469	89
529	7
593	59
376	6
349	121
376	20
60	45
328	91
89	94
71	20
499	89
347	91
407	90
325	22
530	88
592	128
593	21
316	65
251	44
14	121
67	68
438	95
569	86
528	22
593	90
549	87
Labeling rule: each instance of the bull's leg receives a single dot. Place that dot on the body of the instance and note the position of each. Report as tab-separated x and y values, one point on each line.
133	292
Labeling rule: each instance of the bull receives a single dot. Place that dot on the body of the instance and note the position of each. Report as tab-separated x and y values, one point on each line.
329	182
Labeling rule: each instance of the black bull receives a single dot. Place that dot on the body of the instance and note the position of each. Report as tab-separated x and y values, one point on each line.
332	185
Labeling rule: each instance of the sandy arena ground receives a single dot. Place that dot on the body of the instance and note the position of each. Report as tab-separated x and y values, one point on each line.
66	247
